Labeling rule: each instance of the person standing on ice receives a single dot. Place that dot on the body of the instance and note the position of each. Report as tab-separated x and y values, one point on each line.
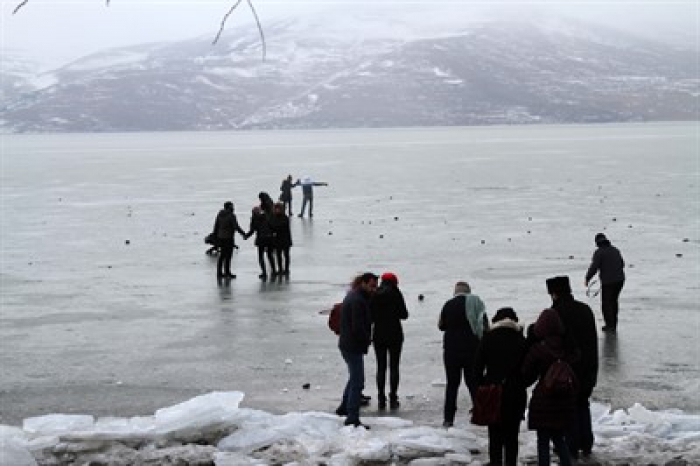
608	263
581	339
498	361
225	227
388	310
286	193
549	414
463	320
307	189
354	341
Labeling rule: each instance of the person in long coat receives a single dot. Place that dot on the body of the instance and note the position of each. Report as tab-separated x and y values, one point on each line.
225	227
581	341
282	241
498	361
549	414
388	310
260	225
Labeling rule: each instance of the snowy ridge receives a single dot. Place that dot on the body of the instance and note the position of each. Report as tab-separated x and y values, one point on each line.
212	428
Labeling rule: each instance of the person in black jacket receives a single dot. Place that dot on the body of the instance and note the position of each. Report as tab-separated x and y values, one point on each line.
581	340
282	238
286	193
463	320
388	310
607	260
225	227
354	341
260	225
498	361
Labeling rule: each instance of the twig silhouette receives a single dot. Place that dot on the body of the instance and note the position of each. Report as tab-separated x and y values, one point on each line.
24	2
257	22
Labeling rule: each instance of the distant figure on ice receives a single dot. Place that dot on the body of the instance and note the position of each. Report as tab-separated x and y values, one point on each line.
608	262
286	194
307	188
282	238
354	341
551	411
463	320
388	310
225	227
581	340
260	225
499	361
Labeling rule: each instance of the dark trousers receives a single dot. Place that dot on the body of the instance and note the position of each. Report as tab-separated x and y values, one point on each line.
504	437
609	295
544	436
282	266
262	252
455	368
307	200
394	354
288	207
223	266
579	437
355	384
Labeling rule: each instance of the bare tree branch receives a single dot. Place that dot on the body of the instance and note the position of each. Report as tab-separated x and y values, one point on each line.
260	29
24	2
223	21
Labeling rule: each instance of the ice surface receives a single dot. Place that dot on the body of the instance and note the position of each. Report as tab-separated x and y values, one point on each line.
247	436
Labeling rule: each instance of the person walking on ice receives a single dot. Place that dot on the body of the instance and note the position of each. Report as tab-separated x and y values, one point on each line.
607	261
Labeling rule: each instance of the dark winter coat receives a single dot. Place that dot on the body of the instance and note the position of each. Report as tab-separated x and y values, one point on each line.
260	225
607	260
355	323
498	360
388	310
286	190
547	411
281	231
580	340
459	341
226	225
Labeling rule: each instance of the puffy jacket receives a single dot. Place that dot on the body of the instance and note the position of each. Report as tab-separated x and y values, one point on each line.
355	323
388	309
607	260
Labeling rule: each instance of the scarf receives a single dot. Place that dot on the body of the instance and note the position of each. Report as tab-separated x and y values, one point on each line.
475	311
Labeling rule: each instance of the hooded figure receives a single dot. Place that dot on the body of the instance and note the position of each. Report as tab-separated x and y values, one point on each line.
550	415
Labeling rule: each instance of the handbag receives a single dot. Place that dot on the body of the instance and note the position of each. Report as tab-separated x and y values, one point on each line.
487	405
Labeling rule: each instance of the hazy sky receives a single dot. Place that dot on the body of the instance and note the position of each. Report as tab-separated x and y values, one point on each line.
55	31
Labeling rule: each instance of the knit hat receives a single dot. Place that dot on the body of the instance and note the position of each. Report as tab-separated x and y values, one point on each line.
600	238
390	277
559	285
548	324
505	313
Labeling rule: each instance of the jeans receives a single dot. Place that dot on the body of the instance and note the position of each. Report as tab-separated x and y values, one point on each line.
394	353
557	438
355	385
609	295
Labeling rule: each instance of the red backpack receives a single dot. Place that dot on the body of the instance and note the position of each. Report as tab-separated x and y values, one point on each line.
334	318
559	380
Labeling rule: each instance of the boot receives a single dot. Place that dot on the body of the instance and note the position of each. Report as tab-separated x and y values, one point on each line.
394	402
381	403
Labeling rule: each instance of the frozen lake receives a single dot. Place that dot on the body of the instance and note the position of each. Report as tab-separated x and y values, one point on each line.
91	324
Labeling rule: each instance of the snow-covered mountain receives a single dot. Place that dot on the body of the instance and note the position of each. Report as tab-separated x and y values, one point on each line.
484	72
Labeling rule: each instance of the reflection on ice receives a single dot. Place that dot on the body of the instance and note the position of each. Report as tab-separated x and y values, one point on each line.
212	429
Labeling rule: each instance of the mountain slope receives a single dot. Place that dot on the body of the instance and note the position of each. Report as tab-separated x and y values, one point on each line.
487	72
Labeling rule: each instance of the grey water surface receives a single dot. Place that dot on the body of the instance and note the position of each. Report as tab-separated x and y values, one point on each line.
110	306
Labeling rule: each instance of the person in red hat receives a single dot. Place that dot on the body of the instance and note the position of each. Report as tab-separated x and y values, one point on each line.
388	309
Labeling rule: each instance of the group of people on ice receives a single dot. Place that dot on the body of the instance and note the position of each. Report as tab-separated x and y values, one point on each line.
269	223
558	354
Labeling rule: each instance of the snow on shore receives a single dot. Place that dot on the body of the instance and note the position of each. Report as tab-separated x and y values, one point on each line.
212	429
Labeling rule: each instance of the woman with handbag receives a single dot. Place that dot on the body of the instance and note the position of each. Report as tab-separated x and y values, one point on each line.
498	368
